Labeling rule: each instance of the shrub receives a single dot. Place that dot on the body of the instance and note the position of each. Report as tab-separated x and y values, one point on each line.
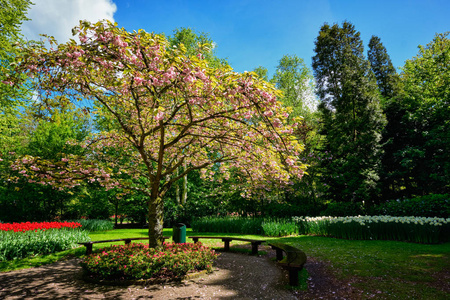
284	210
243	225
433	205
410	229
342	209
137	261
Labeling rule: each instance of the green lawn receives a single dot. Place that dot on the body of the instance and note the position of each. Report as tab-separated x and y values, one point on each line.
399	270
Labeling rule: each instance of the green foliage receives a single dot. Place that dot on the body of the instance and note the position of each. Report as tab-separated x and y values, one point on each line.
95	225
285	210
416	160
280	227
228	225
196	44
425	157
24	200
261	72
137	261
294	78
350	112
16	245
424	206
12	14
342	209
387	78
410	229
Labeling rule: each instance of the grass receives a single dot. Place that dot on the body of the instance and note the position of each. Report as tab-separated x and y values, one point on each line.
398	270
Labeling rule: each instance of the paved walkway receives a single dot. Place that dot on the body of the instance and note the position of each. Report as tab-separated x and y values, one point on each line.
237	276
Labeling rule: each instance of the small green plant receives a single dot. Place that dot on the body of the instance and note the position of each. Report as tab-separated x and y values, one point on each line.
137	261
95	224
279	227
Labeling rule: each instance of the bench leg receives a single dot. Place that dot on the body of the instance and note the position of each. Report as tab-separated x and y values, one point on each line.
255	248
88	249
127	241
227	245
279	254
195	240
293	277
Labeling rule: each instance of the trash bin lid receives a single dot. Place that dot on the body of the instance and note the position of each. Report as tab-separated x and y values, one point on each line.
180	224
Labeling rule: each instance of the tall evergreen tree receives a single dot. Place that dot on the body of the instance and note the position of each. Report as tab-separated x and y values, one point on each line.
351	115
392	178
382	67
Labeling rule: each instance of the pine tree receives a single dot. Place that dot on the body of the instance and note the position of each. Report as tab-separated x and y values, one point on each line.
350	112
392	176
385	73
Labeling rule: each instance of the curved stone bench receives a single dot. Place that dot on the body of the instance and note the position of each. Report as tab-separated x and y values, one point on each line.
293	261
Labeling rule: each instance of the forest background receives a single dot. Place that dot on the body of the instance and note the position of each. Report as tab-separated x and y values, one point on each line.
372	135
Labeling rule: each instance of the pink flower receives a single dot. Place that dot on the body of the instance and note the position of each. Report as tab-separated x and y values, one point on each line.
159	116
138	80
268	113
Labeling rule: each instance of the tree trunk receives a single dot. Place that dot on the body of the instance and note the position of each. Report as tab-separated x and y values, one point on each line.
184	193
177	189
155	222
177	192
116	211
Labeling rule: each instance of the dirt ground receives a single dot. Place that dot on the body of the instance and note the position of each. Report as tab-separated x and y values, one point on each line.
236	276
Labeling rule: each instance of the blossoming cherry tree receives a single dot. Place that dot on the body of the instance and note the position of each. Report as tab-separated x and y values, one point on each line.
164	109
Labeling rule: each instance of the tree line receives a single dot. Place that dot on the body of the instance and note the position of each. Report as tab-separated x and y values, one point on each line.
369	135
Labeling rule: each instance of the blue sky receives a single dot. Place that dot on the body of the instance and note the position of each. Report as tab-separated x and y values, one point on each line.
252	33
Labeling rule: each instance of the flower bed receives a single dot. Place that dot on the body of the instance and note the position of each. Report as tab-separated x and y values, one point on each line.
411	229
137	261
29	226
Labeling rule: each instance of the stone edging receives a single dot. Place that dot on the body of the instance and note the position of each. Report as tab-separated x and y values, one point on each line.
143	282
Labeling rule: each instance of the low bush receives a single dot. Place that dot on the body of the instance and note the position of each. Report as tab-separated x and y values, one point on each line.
410	229
16	245
433	205
342	209
137	261
244	225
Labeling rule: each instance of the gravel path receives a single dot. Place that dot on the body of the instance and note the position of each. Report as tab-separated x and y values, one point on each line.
237	276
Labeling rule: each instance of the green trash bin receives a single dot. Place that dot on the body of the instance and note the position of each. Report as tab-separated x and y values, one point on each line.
179	233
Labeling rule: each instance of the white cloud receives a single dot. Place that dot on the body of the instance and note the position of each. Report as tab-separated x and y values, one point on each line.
58	17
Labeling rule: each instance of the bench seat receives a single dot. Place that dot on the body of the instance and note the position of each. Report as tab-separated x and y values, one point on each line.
227	240
127	241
